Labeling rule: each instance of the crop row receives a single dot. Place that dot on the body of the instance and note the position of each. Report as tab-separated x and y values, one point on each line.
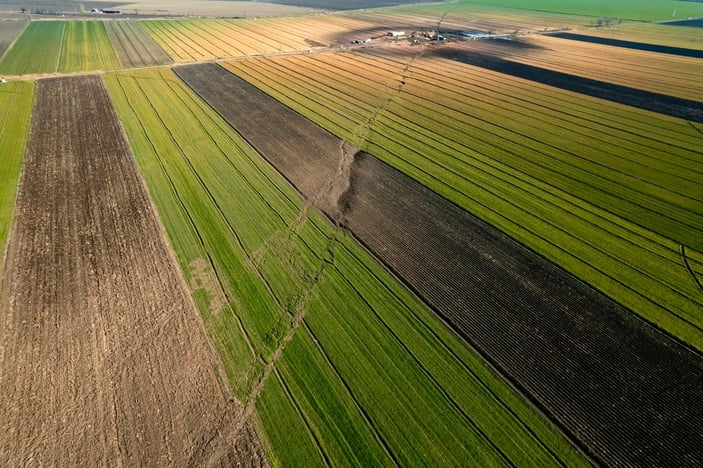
342	364
652	33
87	47
65	46
659	73
15	110
626	9
559	181
37	50
192	40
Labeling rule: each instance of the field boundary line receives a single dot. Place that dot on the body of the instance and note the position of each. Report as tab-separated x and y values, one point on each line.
694	127
290	396
480	357
190	219
60	54
359	406
690	269
431	377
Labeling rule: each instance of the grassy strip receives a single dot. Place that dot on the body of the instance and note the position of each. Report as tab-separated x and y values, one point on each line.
37	50
344	362
539	179
15	111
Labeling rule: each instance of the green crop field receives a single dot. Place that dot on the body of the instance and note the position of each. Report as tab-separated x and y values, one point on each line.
37	50
341	363
649	10
86	46
9	30
608	192
64	46
15	110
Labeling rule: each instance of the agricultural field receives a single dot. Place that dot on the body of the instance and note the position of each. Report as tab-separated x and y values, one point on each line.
134	47
37	50
325	245
360	372
211	8
196	40
652	33
99	329
63	46
15	107
9	30
86	46
613	202
631	10
455	263
660	73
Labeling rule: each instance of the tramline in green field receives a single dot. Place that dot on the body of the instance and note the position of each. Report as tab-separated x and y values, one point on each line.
365	373
63	46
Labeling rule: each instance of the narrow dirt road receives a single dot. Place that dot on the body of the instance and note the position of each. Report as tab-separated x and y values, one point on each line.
103	359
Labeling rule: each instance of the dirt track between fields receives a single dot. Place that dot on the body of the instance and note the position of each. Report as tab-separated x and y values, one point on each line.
102	354
626	393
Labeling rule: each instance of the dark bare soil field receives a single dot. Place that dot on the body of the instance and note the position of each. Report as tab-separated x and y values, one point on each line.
102	355
661	103
631	45
623	391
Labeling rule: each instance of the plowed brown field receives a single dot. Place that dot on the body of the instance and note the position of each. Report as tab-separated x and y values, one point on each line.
102	357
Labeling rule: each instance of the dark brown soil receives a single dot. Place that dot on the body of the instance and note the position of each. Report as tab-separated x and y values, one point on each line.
103	359
622	390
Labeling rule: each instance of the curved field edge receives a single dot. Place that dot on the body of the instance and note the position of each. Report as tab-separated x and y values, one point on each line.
15	112
337	360
388	111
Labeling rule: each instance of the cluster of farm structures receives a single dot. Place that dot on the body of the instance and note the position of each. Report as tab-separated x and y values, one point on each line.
445	233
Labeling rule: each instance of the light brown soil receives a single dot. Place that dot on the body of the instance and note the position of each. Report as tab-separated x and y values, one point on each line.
102	354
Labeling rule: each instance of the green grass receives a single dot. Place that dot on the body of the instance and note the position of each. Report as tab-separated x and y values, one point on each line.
342	364
37	50
649	10
86	46
608	192
15	111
